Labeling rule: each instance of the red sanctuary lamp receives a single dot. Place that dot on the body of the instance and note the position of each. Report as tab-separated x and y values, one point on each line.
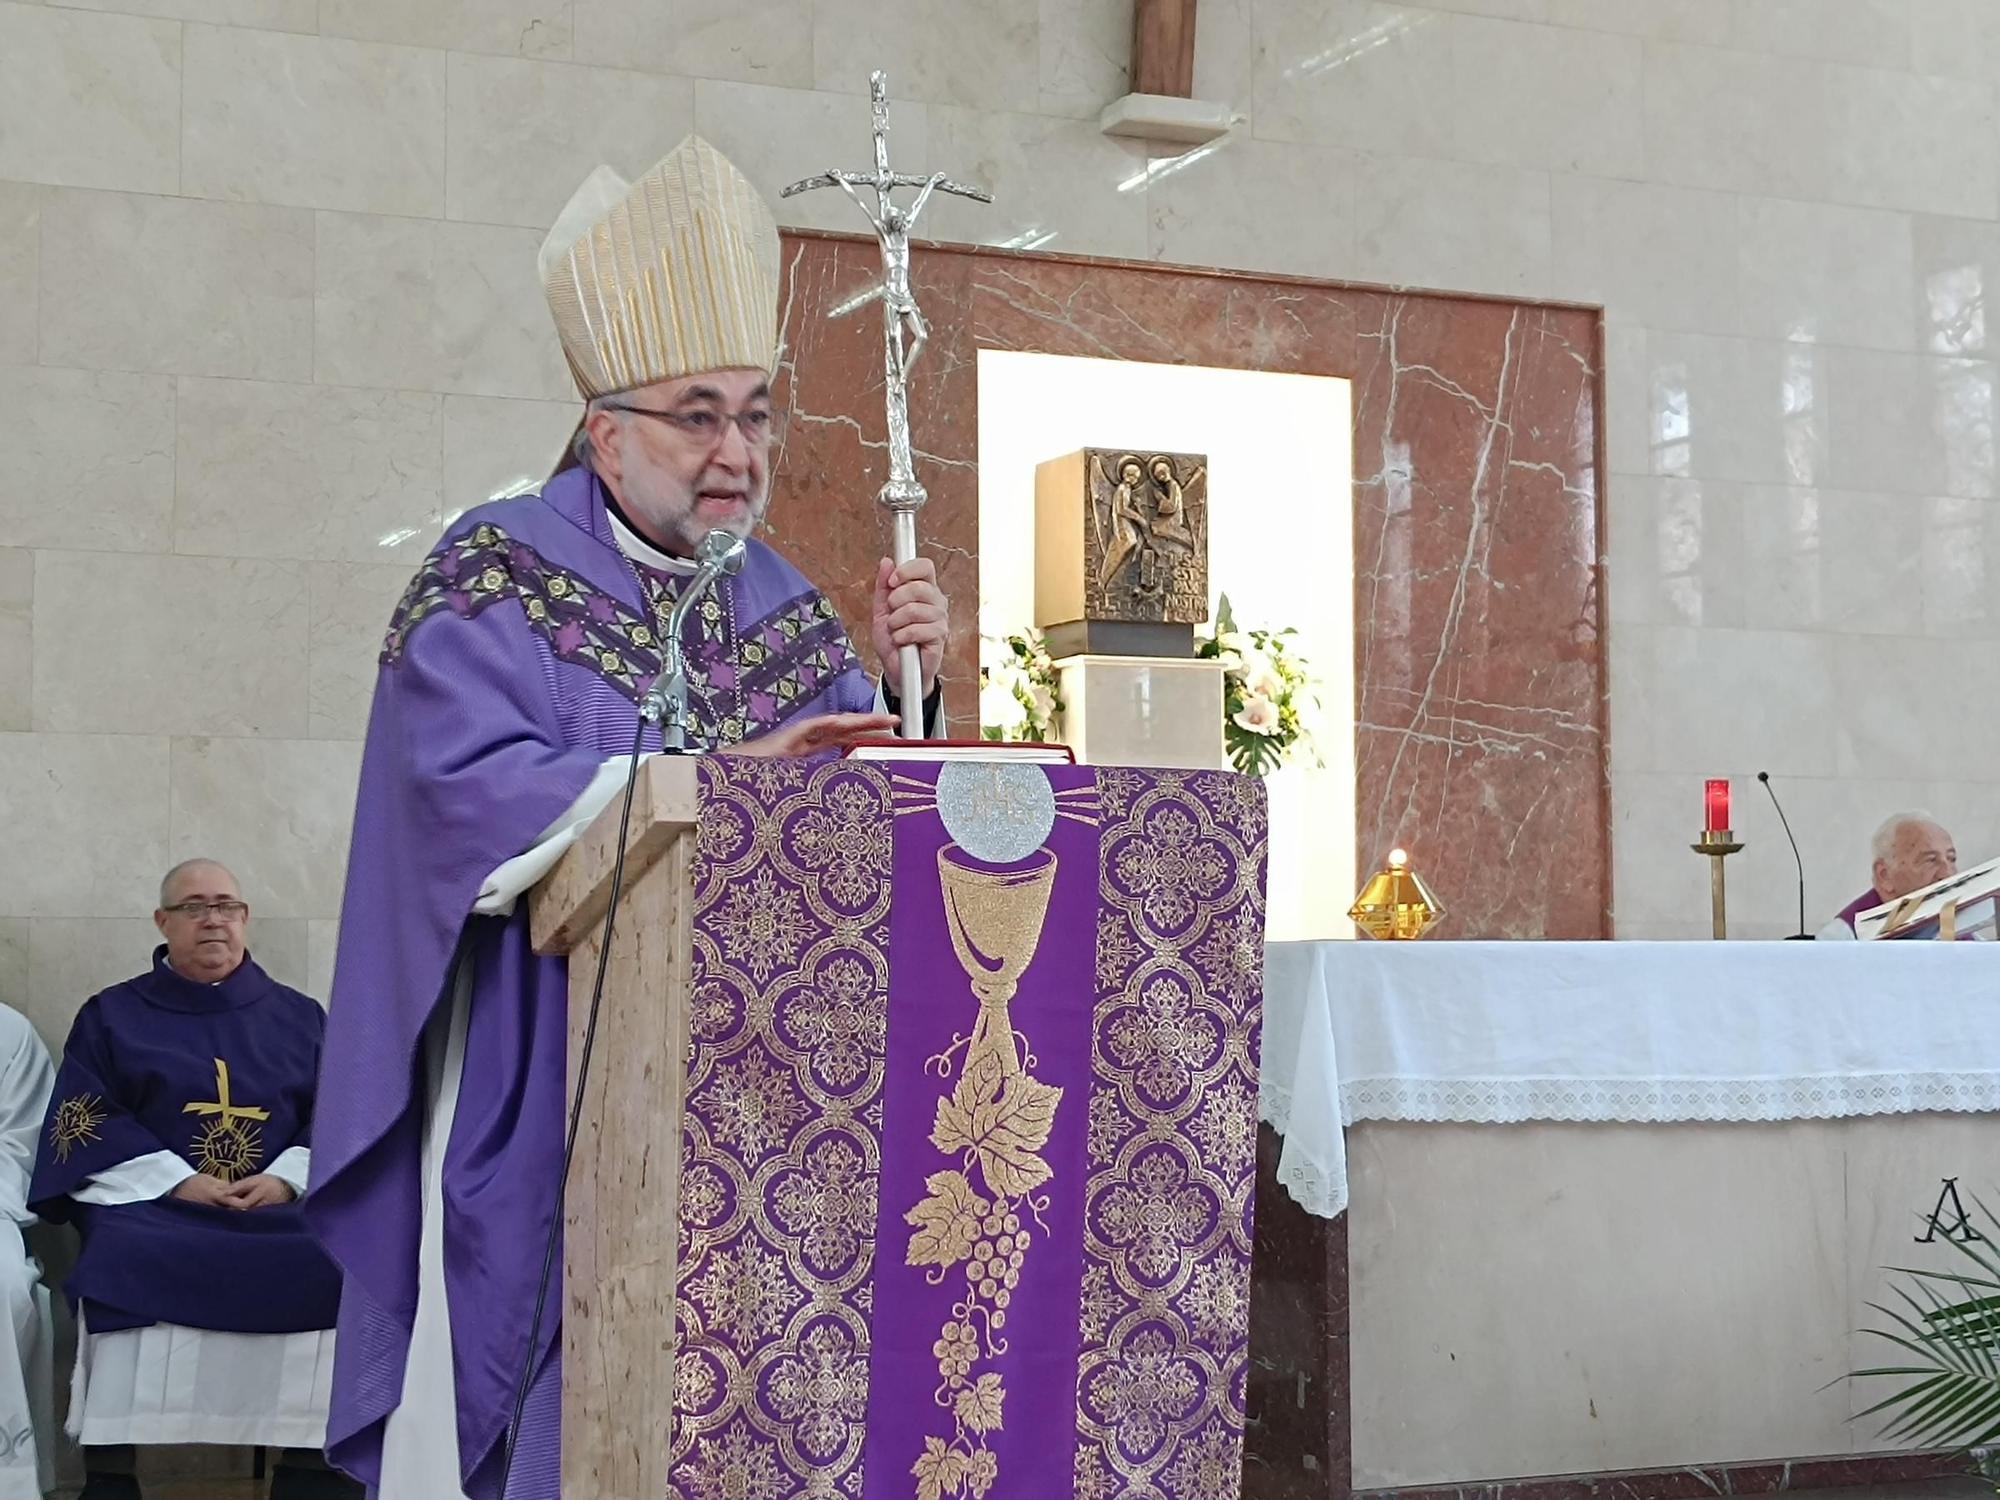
1715	802
1718	843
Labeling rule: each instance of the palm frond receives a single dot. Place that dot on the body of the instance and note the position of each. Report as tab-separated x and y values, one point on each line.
1947	1322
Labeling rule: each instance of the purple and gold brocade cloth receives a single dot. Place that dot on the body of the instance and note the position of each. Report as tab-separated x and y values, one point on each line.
970	1139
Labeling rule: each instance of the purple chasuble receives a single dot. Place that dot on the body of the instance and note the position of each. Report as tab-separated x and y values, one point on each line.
512	670
1868	900
222	1075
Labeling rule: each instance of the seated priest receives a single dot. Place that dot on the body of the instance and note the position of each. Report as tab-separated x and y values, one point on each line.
177	1141
505	710
1912	850
27	1370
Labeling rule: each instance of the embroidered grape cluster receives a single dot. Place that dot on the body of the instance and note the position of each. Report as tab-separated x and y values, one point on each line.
995	1268
957	1350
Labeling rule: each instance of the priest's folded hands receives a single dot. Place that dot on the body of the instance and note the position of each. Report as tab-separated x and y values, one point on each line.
260	1191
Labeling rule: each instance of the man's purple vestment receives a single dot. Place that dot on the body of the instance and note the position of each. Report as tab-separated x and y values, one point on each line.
511	672
222	1075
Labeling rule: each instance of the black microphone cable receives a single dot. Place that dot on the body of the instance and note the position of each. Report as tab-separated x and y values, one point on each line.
554	1241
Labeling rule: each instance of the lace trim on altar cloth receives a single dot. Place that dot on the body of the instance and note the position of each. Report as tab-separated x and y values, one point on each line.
1312	1167
1659	1101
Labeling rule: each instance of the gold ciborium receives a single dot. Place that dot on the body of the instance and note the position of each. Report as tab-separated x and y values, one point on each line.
1396	904
996	918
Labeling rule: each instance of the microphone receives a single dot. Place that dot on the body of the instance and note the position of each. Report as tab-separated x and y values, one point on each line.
1801	934
720	555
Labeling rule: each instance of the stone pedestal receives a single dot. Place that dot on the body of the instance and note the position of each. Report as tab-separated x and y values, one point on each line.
1143	711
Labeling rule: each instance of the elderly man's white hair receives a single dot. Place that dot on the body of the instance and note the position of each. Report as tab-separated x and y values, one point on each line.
1884	843
584	446
167	880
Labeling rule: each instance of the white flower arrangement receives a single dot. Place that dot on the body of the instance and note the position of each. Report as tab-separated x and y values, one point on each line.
1266	690
1020	692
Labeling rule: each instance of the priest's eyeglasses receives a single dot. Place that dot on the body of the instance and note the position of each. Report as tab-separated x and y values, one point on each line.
229	911
702	426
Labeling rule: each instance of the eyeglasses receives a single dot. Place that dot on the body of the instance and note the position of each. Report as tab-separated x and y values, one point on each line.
229	911
702	427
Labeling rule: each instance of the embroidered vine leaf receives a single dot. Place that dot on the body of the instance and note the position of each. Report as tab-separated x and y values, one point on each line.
947	1222
963	1116
978	1406
984	1073
938	1470
1003	1135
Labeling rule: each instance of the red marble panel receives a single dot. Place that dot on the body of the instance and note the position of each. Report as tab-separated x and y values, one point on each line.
1478	630
1478	639
824	514
1479	646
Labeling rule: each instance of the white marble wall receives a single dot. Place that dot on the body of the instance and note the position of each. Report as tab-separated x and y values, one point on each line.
268	313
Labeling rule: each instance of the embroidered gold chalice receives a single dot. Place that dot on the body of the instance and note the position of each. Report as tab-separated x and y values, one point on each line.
995	918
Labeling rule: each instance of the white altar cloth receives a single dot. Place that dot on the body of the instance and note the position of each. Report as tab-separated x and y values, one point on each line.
1655	1032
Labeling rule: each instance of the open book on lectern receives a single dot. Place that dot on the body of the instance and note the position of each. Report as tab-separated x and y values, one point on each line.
1962	905
1032	752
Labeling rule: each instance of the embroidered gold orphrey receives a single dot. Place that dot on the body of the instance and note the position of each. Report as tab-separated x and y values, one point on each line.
995	1122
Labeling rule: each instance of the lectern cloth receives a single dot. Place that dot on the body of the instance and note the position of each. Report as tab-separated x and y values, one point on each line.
970	1132
512	669
1655	1032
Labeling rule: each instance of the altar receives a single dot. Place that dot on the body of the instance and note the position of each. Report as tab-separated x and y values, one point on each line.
1615	1207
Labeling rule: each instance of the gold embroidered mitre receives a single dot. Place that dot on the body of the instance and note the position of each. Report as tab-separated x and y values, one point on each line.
670	275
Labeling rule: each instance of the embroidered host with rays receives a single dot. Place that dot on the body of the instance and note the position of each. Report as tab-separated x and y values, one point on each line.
177	1139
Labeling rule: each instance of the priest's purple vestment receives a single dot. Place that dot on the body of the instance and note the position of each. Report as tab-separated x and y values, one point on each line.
224	1076
511	673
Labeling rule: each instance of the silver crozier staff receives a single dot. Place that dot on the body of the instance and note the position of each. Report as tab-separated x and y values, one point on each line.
904	334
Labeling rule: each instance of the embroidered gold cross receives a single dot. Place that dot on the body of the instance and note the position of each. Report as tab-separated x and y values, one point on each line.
220	1105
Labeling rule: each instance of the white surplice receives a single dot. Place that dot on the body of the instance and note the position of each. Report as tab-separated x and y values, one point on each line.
27	1368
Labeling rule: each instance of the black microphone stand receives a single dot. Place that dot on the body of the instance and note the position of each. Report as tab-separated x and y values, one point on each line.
1801	936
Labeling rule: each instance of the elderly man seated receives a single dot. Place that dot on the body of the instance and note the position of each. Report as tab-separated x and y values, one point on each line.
1912	850
177	1141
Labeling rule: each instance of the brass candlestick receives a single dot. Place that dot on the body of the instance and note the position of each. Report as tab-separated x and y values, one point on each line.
1718	844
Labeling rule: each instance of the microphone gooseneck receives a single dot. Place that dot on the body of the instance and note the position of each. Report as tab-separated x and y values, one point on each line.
1785	823
721	555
